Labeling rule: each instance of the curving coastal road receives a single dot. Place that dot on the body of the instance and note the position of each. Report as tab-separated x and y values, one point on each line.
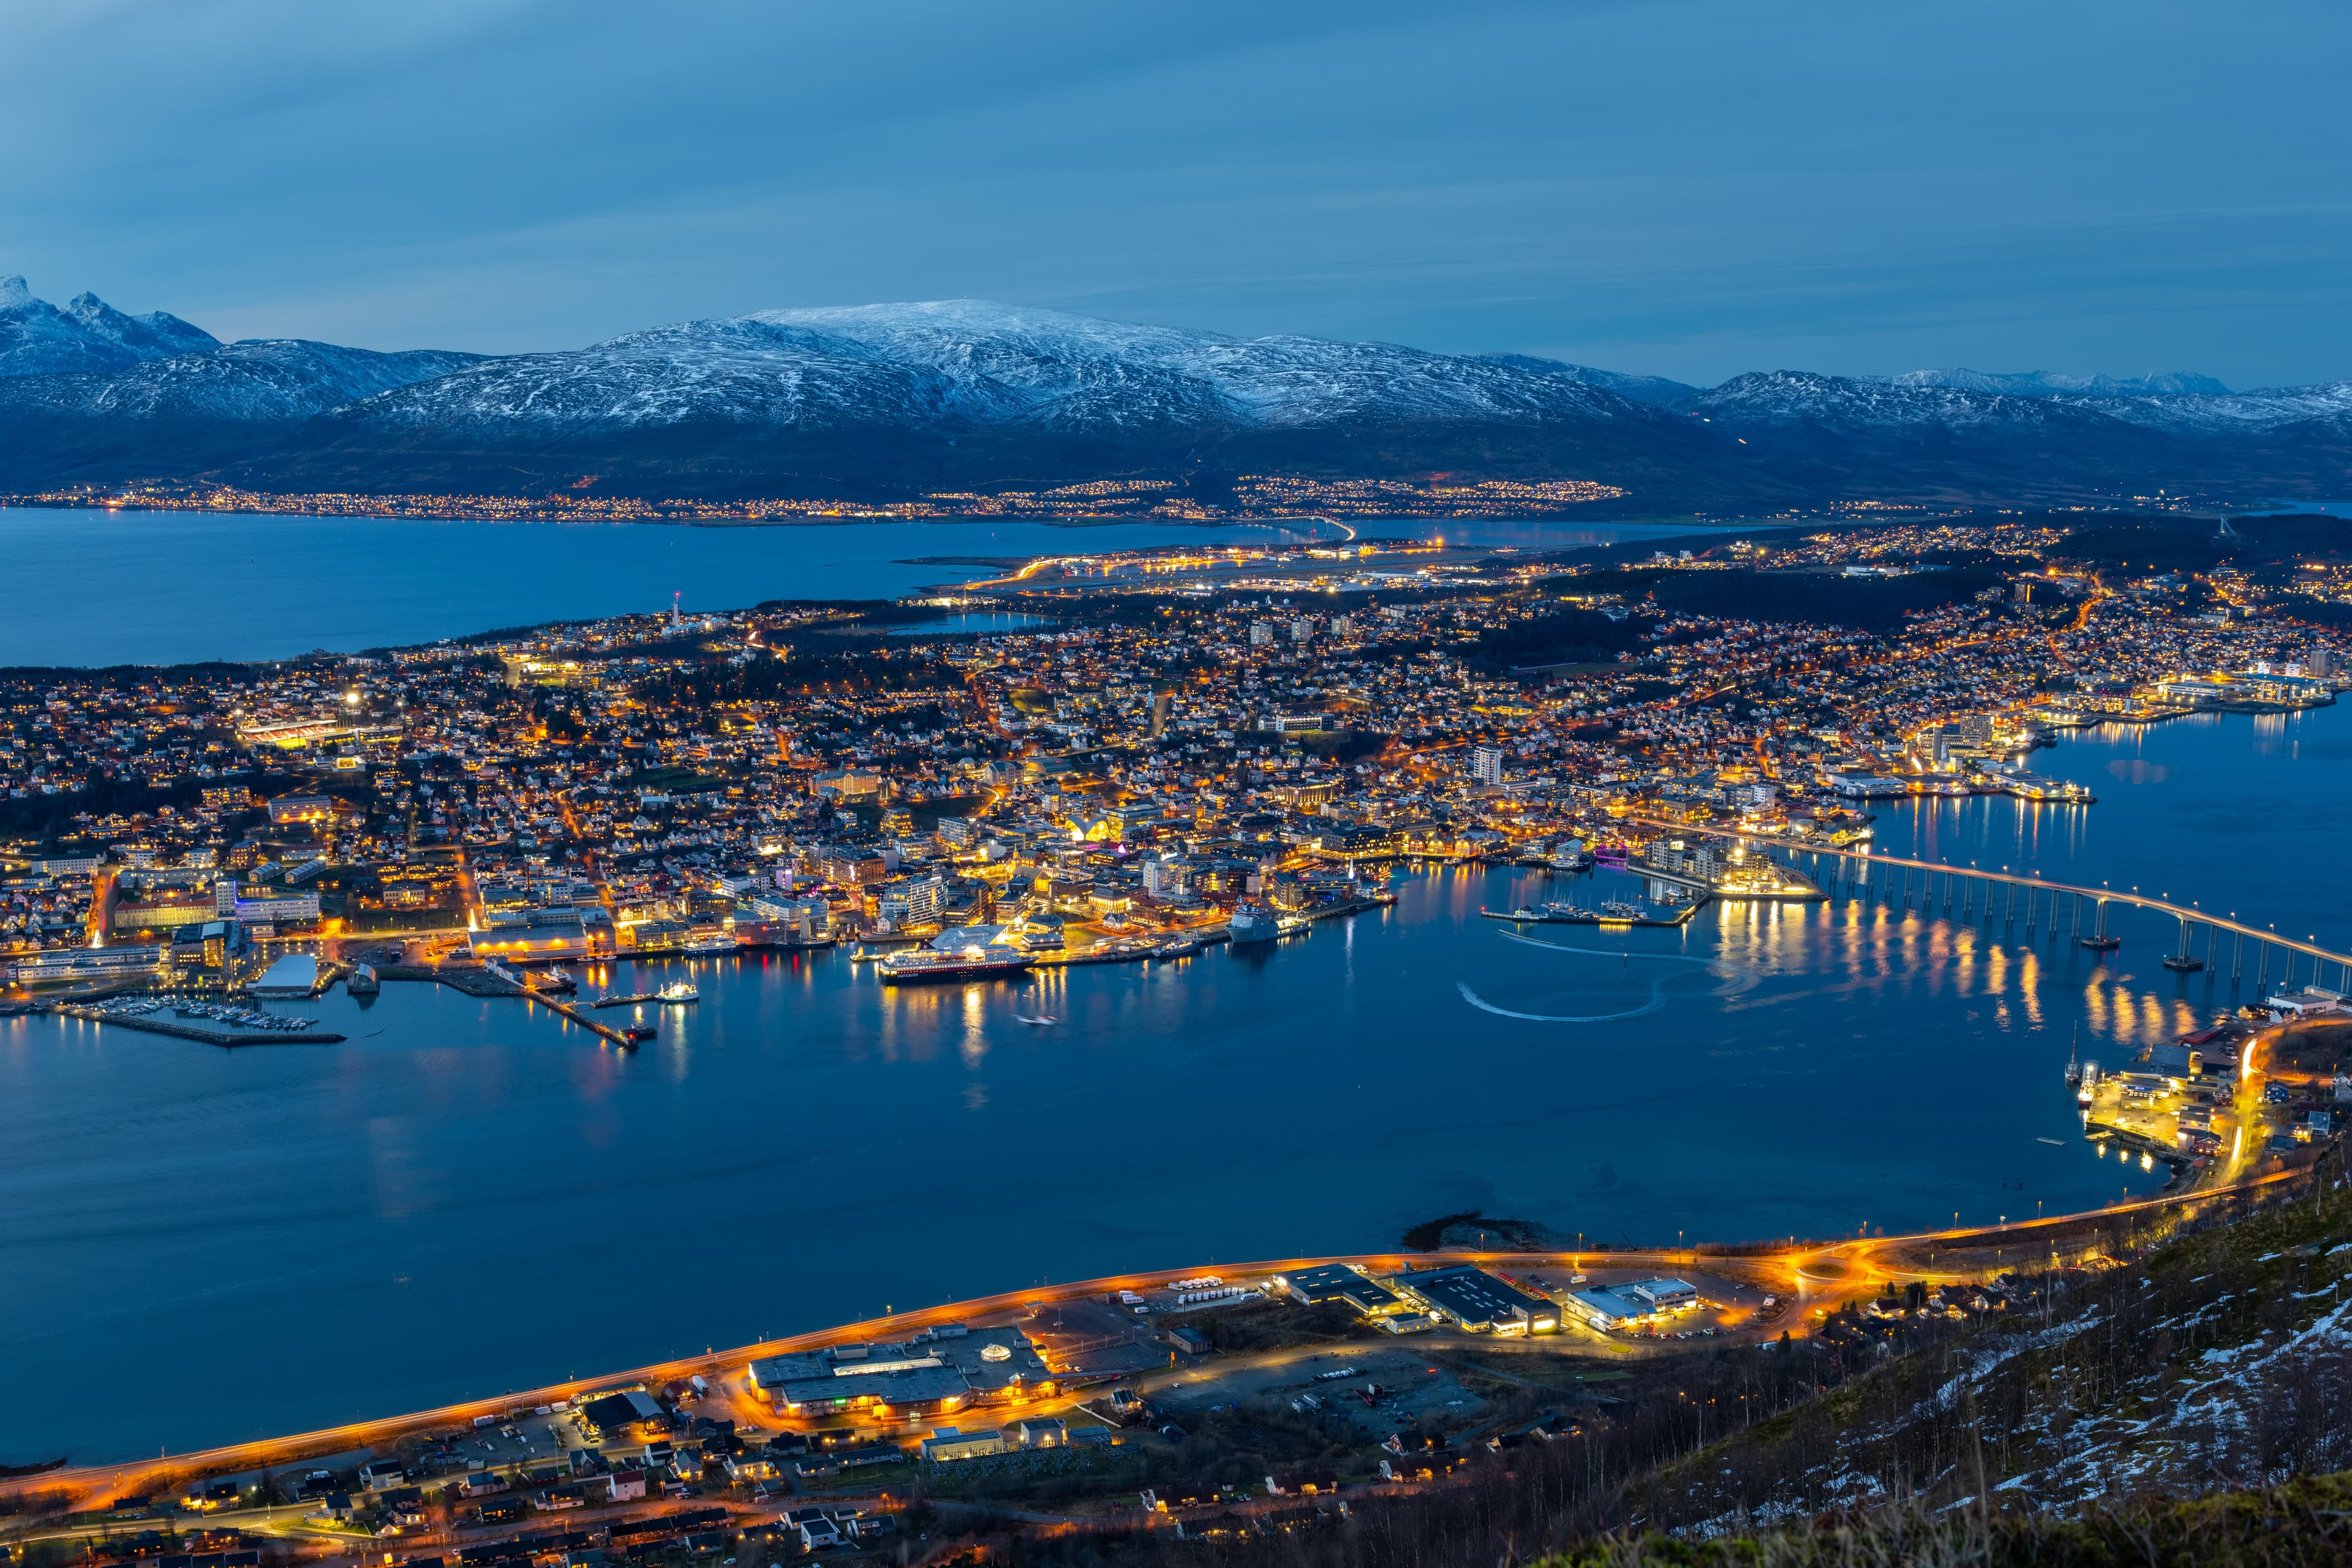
1830	1270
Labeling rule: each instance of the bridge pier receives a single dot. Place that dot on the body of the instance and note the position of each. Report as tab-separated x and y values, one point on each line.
2237	955
1948	893
2183	961
2032	898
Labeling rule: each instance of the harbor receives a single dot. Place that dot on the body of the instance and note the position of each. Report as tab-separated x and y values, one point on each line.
209	1024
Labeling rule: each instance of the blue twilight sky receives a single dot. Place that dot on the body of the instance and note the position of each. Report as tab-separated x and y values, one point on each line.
1686	187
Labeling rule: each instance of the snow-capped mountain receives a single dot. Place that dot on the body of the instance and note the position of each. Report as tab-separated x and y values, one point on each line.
2045	383
1763	399
882	401
1654	389
1859	404
972	365
36	338
257	381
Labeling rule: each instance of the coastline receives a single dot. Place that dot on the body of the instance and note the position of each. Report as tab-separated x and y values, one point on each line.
1824	1269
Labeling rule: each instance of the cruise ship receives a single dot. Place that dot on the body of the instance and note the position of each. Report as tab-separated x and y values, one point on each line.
920	965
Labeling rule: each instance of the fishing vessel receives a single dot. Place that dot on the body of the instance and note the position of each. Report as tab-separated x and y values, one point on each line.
677	993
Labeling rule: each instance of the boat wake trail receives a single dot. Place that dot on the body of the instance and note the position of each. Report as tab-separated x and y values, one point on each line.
1735	979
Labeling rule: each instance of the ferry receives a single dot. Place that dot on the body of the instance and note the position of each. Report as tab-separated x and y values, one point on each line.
677	993
920	966
712	946
1253	921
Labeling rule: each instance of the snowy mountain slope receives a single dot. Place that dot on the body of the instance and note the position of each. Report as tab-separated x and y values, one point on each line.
1654	389
258	381
2045	383
1765	399
38	339
2182	402
974	365
906	399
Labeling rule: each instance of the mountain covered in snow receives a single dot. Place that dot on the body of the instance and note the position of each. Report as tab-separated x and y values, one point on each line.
888	401
37	338
2045	383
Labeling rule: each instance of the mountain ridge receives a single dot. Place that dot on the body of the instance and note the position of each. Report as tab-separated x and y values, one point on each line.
897	400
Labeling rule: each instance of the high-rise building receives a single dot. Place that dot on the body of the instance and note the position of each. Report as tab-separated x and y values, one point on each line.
1261	633
1302	630
1486	765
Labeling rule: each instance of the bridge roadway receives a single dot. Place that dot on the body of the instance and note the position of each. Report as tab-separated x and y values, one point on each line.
1838	1270
2188	916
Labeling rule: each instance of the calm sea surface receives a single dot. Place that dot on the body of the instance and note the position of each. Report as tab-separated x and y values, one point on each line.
468	1196
90	587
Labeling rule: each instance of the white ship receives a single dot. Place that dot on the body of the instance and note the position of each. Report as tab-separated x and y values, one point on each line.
1253	921
677	993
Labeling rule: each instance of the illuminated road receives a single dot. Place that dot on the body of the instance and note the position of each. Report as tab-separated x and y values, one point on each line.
1831	1270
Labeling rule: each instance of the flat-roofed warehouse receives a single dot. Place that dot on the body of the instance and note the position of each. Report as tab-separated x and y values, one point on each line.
1479	1302
937	1371
1338	1283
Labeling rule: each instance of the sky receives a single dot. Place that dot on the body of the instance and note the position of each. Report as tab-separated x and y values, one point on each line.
1691	188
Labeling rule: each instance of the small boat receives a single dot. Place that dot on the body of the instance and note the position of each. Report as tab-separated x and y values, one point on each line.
639	1031
677	993
1042	1020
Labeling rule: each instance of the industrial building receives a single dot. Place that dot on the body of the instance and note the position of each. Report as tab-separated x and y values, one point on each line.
1338	1283
1622	1305
940	1369
1477	1302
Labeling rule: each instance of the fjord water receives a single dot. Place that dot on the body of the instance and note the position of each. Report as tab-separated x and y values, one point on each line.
98	587
468	1196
